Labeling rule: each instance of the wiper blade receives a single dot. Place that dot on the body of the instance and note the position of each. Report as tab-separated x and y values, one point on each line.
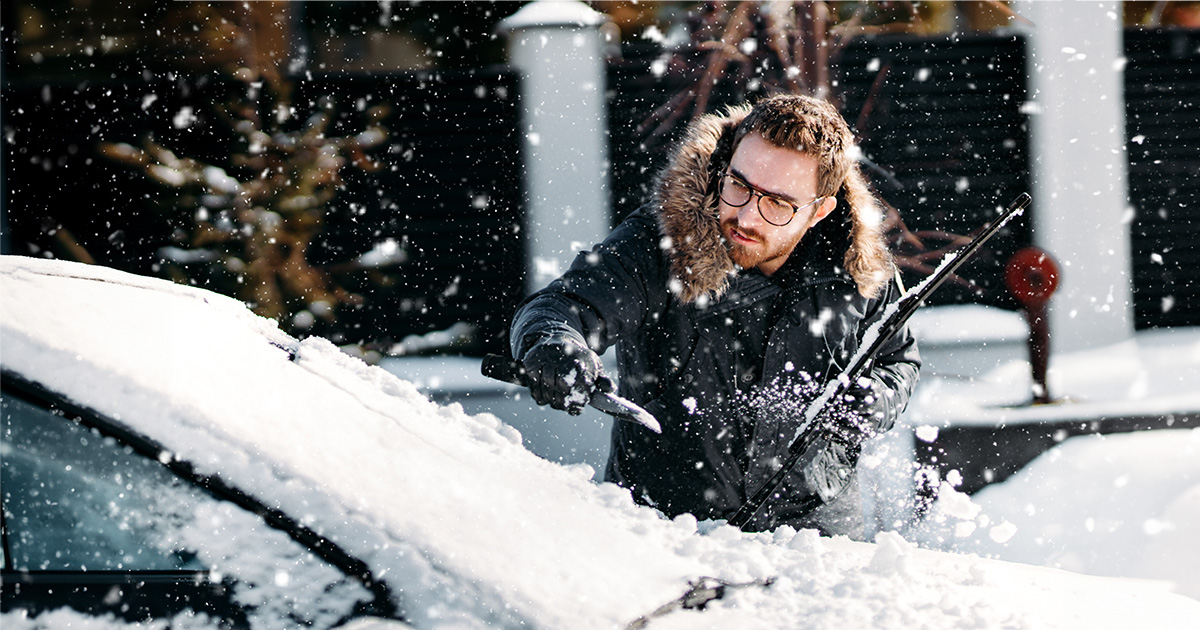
698	595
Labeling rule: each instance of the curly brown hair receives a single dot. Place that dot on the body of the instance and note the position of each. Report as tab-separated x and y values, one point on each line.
808	125
816	128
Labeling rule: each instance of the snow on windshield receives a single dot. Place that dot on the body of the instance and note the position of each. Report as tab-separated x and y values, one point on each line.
457	514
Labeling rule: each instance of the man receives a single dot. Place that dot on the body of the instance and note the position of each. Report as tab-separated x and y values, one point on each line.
745	285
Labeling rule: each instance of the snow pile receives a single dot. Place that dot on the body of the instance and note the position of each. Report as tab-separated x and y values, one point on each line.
1154	374
1113	505
454	512
967	323
833	584
1119	505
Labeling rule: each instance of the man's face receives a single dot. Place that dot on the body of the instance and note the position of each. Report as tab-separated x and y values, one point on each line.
783	173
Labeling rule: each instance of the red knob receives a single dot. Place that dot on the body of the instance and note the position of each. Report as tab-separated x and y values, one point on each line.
1031	276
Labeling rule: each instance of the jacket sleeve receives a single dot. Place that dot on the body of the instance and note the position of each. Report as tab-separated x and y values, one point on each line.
896	368
608	292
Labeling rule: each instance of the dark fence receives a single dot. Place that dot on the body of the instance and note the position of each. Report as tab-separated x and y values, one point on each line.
1162	100
943	118
939	119
453	196
450	191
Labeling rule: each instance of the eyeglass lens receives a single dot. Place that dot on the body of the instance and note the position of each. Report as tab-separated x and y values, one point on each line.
737	193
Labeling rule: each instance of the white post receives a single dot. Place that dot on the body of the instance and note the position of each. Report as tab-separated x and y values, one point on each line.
558	48
1077	105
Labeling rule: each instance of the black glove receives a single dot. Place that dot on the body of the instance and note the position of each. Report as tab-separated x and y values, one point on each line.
846	423
858	416
564	373
830	472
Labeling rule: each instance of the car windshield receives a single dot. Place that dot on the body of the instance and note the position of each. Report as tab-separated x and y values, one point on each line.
78	501
123	512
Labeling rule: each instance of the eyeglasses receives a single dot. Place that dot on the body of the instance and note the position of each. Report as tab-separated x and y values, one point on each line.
775	210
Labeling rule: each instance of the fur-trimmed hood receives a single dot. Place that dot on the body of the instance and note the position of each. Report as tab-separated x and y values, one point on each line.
686	206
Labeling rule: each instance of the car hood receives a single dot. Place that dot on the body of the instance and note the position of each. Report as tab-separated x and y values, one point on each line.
466	525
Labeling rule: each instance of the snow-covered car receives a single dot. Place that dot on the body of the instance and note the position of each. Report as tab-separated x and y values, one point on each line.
169	456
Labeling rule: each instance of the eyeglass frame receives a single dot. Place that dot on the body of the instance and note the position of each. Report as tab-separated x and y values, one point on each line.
755	191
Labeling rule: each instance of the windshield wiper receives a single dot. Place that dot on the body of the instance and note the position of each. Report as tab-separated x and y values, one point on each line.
698	595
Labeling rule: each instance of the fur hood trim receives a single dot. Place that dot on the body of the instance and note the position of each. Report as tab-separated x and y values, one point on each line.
686	204
687	211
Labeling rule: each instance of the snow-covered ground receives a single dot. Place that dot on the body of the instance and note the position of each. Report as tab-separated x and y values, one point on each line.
987	379
1123	504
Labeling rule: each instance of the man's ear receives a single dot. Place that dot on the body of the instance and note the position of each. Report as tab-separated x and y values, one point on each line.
825	209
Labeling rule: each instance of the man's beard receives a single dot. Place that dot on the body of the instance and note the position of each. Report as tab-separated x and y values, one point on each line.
749	256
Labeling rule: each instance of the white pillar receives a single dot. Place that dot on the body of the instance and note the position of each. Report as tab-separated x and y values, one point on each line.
1079	163
558	48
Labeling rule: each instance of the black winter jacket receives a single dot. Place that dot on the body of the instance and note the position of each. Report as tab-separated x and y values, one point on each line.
727	379
728	365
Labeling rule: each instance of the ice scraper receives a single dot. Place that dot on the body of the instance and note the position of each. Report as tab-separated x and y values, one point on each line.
509	371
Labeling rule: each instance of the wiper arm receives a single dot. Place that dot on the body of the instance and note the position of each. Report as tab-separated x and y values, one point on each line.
700	593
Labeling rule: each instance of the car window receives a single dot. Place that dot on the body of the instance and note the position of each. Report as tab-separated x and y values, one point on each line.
75	500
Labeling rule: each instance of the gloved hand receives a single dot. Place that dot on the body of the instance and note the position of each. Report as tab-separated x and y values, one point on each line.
564	373
845	424
829	473
857	416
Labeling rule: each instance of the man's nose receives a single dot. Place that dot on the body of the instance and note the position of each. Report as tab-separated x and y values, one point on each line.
748	214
